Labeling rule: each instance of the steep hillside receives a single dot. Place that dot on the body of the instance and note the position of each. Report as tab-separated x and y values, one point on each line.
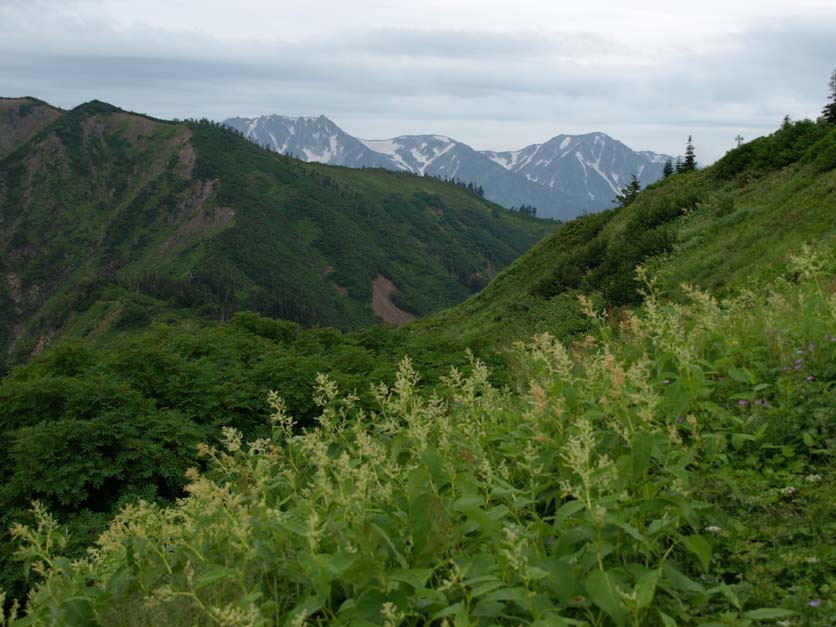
713	228
562	177
201	220
21	119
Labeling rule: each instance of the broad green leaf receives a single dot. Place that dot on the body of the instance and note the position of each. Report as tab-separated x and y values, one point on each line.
768	613
218	573
509	594
679	580
700	547
739	440
485	588
645	588
561	580
727	592
602	589
447	611
552	620
741	374
308	606
469	502
488	608
415	577
567	510
641	449
667	621
339	563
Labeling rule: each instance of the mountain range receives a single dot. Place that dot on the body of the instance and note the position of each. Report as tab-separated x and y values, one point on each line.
563	177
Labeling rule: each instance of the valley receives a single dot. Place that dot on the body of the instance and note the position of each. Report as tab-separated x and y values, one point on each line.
248	389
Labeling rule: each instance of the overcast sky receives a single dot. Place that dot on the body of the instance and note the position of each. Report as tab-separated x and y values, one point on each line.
494	74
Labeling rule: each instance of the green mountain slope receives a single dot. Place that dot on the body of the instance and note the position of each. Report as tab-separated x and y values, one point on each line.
201	220
713	228
21	119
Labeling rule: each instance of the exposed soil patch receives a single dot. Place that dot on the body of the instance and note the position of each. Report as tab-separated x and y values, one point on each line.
202	223
104	325
132	126
14	287
40	345
92	126
186	157
382	304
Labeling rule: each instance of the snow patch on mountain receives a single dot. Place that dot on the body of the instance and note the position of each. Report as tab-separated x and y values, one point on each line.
563	177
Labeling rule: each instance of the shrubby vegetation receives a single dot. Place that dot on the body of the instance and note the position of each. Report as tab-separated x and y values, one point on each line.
671	468
453	494
713	228
138	406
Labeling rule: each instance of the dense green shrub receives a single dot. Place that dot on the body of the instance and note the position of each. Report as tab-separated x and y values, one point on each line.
648	477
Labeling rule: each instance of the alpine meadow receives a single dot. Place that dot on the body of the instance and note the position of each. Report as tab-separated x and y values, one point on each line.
241	388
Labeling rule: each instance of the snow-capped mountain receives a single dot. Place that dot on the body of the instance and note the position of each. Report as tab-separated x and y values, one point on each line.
592	165
311	139
562	178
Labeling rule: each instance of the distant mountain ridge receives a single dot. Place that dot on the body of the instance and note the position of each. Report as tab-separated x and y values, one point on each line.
563	177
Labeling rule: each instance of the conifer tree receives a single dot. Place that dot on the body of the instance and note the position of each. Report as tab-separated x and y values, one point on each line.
829	111
628	192
668	169
690	162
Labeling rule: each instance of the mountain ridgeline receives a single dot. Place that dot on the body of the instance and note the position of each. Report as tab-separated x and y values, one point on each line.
561	178
106	216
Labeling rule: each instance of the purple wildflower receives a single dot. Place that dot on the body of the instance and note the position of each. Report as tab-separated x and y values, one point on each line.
811	377
799	361
743	402
814	603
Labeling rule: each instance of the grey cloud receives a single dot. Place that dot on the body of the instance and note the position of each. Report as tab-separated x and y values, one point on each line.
455	79
470	44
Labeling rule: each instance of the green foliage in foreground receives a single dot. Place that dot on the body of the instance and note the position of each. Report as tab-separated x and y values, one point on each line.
87	428
672	469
